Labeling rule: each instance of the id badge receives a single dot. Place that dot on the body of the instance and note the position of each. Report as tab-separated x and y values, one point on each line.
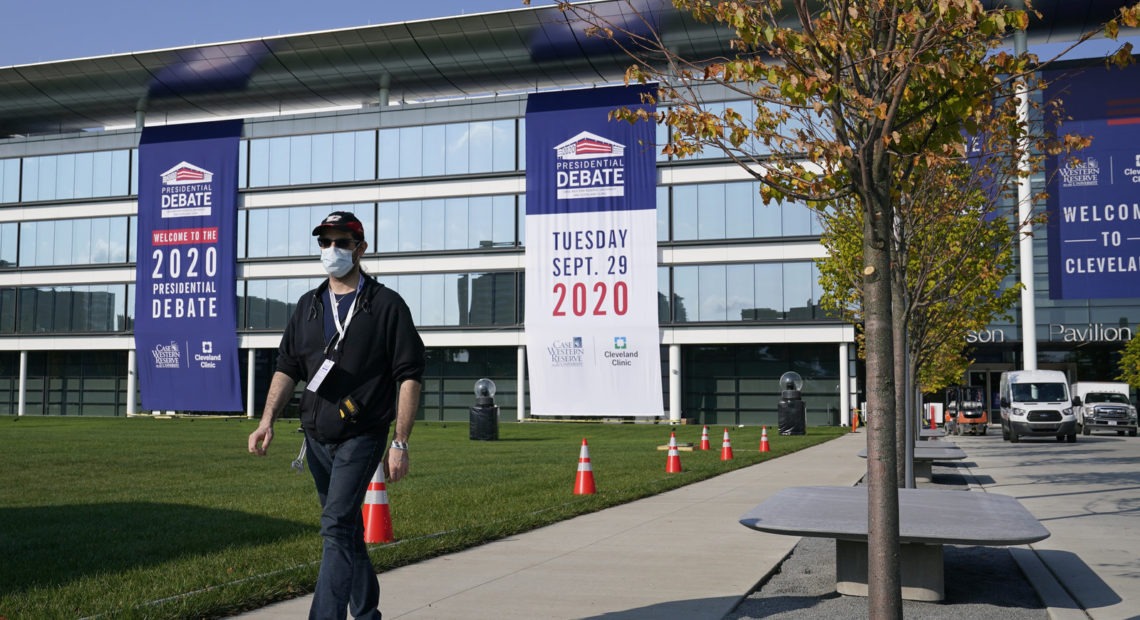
319	376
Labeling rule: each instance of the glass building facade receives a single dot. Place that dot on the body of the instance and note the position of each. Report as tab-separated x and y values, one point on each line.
426	146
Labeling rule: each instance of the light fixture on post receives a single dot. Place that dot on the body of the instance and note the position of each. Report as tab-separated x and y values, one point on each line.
485	414
791	408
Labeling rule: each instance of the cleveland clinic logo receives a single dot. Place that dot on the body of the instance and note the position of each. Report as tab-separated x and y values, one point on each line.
1084	173
589	166
187	191
167	356
566	352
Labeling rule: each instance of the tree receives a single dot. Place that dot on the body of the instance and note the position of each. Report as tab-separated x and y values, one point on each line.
1130	363
849	100
952	251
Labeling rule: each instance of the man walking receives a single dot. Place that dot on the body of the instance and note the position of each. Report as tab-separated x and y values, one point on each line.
352	341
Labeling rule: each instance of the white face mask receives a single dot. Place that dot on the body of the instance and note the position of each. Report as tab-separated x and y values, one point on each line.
337	262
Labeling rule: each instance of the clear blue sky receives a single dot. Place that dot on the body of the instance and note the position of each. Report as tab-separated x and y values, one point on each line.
46	30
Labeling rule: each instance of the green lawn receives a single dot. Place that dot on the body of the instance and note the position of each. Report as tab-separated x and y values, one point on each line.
155	518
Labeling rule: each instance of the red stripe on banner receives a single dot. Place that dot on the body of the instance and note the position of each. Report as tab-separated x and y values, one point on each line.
180	236
1124	121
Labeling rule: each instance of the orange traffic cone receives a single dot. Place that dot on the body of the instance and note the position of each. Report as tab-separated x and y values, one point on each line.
584	483
726	448
705	439
673	461
764	440
377	518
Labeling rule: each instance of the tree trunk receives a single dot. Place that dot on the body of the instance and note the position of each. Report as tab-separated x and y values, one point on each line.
898	336
883	576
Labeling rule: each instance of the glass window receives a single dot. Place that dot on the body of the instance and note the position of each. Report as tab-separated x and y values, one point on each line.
243	164
686	295
270	303
258	163
287	231
685	216
503	145
67	309
70	176
455	224
320	157
312	158
663	305
62	242
434	148
480	222
743	292
662	213
458	139
520	147
9	248
389	142
446	224
768	218
9	180
798	291
712	291
710	201
738	199
300	154
740	302
84	175
797	219
432	299
411	152
7	310
480	141
769	292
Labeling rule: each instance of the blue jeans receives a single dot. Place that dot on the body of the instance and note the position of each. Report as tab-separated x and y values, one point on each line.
347	581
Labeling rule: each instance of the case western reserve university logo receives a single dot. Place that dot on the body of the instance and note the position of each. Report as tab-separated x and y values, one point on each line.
187	191
1084	173
167	355
590	166
566	352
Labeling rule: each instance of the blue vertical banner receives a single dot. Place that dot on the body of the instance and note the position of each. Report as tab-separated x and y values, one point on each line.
1094	198
593	339
185	300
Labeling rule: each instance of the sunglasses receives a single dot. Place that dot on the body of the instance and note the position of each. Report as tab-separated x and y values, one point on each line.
343	243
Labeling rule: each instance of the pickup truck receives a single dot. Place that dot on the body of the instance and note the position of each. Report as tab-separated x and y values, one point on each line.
1104	406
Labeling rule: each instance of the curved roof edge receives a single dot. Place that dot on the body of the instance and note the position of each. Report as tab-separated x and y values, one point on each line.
517	50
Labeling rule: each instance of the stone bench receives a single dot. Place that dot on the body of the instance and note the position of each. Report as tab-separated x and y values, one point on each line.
928	519
931	433
926	453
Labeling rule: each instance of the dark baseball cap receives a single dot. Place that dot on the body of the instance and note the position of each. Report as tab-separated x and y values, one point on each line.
341	220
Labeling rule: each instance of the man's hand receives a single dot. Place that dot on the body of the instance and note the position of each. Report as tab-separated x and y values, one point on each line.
260	439
396	465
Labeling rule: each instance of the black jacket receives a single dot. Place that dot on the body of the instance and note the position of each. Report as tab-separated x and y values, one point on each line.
381	348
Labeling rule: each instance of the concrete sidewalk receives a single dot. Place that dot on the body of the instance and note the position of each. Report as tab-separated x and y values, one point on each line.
681	554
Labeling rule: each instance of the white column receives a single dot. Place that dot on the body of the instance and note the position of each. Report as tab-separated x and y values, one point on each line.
674	383
844	385
22	402
249	412
1024	212
520	398
131	382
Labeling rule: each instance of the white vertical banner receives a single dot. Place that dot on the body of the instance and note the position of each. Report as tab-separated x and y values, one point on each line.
593	340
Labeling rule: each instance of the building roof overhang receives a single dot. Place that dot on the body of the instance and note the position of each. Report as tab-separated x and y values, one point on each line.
511	51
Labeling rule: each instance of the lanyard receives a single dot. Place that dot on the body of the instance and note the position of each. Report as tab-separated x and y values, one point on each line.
341	329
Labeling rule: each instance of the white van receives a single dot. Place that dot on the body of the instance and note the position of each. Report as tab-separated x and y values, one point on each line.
1036	403
1104	406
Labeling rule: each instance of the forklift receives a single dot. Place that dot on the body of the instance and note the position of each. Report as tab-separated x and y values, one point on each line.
964	410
